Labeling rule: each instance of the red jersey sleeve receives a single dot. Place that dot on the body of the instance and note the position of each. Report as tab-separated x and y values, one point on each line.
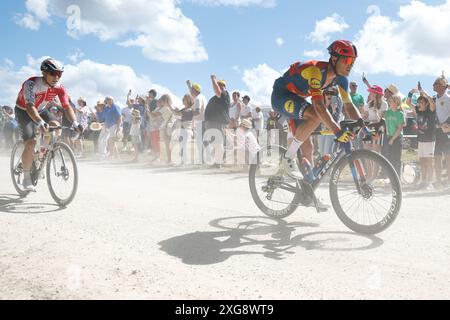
63	97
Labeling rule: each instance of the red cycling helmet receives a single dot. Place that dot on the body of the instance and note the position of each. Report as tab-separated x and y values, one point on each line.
343	48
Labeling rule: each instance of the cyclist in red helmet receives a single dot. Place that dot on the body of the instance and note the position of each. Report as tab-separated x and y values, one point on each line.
310	79
32	110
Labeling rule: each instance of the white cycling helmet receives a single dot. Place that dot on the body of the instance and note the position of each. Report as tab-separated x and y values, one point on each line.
51	64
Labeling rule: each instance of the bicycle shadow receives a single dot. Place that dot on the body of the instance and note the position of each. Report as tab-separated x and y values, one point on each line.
15	204
264	236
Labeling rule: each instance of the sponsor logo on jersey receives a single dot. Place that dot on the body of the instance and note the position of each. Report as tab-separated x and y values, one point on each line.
289	106
314	77
315	84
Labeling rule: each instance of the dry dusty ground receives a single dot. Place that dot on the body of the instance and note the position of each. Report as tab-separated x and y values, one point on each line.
136	232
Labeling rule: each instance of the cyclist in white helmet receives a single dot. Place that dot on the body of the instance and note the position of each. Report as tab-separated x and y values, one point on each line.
31	111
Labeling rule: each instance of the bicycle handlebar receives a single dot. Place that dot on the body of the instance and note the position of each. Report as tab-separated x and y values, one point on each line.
54	128
375	125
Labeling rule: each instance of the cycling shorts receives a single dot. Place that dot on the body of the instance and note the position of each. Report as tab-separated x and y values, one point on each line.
289	104
26	124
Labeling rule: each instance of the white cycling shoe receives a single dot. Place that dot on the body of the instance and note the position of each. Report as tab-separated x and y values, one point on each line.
28	186
291	168
321	206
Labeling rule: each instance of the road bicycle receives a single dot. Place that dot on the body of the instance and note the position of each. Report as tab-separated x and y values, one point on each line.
58	162
365	201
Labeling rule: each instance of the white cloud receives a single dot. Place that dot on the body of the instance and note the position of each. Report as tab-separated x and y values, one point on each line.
259	81
8	63
236	69
89	79
328	26
37	13
76	56
279	41
313	53
158	27
415	44
39	8
28	21
237	3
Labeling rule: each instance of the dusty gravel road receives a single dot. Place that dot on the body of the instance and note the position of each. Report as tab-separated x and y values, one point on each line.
136	232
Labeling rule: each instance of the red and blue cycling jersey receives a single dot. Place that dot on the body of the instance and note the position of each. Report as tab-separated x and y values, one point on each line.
301	81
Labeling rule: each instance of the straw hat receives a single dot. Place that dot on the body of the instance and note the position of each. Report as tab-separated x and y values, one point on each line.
246	123
446	128
135	113
95	126
392	88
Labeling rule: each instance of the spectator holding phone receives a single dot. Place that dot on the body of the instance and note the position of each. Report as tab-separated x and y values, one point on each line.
373	112
426	137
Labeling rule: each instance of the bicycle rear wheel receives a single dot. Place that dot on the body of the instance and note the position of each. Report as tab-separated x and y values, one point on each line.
274	192
16	169
366	206
62	174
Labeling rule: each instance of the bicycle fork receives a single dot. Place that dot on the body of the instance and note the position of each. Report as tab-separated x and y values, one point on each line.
358	174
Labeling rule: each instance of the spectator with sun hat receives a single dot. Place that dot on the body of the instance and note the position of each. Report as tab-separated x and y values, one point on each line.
199	116
442	149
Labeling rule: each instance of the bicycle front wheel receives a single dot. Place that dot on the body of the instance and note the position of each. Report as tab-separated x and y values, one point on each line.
274	192
16	168
62	174
364	204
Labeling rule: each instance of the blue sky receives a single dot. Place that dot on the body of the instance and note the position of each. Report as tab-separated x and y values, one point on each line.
235	39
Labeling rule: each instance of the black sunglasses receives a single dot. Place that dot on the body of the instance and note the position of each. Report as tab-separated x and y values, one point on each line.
55	73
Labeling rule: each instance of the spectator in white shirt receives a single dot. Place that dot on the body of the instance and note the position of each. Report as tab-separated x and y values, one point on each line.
258	120
246	111
442	148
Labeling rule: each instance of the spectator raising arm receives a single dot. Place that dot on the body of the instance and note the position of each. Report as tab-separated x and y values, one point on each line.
189	85
430	100
217	89
366	82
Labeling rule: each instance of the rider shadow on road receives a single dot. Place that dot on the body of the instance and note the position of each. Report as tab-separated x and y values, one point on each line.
265	236
12	203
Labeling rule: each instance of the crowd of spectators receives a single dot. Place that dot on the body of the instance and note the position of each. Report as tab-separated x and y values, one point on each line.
152	128
426	117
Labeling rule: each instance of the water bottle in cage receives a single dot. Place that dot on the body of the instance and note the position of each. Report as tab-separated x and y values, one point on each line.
42	152
321	163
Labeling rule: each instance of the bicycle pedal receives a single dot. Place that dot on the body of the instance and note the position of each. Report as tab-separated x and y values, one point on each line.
320	207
